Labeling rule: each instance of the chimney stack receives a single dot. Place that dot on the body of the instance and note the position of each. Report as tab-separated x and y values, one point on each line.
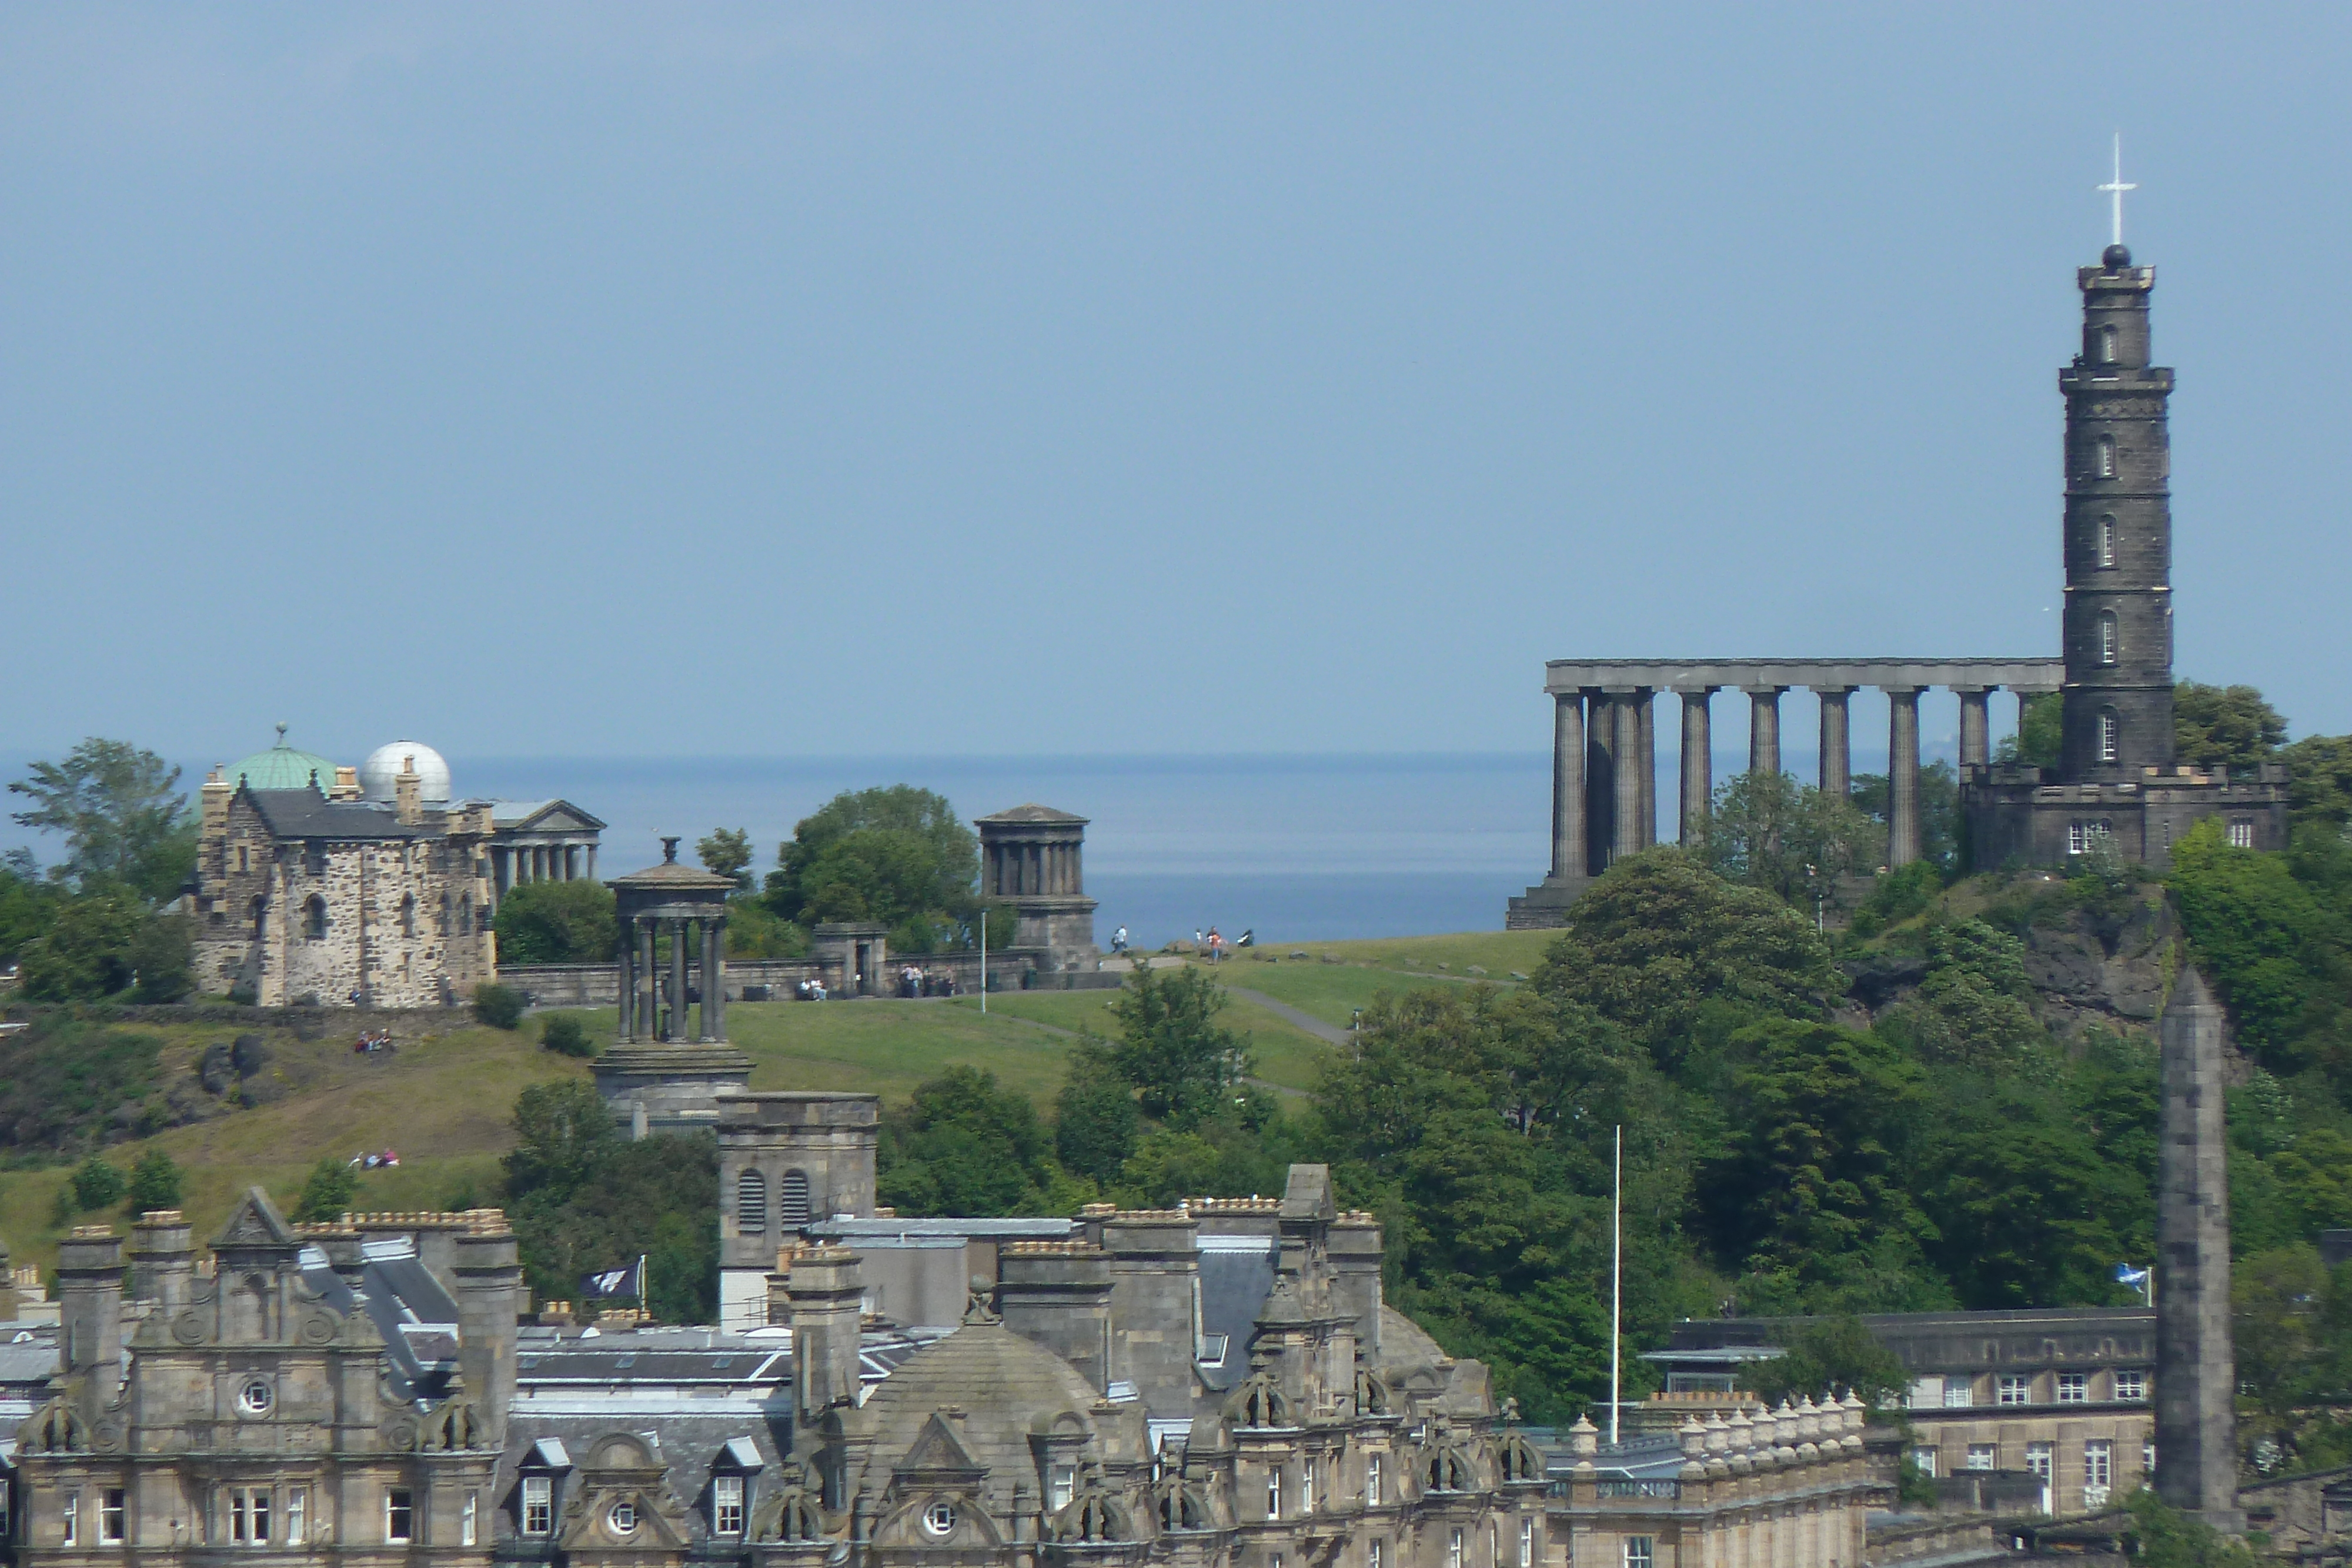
490	1298
825	1288
1057	1294
90	1285
162	1259
408	793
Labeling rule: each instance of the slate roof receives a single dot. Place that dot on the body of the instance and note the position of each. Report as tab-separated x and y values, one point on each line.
307	814
409	1307
1235	1279
509	814
1008	1389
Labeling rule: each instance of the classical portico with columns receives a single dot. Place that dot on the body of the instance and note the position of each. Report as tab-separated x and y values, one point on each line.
672	1061
1033	858
1605	746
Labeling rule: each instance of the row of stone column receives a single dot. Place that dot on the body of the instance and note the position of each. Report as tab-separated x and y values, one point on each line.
654	1004
511	865
1037	868
1604	764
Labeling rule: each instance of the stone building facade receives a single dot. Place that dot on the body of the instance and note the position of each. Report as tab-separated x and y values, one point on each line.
303	896
1033	857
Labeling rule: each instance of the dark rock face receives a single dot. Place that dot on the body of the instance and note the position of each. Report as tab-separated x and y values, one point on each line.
2096	968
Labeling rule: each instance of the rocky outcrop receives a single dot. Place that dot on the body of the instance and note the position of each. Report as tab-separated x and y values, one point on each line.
2094	966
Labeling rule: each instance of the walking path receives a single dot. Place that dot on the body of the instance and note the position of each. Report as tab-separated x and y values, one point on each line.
1330	1034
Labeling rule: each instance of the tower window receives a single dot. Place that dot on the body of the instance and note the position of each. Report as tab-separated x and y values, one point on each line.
314	918
751	1201
2111	735
2106	541
408	915
2107	345
2242	832
2110	639
2105	467
260	919
792	1198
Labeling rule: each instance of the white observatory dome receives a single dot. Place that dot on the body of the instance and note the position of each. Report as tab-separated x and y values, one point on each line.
384	765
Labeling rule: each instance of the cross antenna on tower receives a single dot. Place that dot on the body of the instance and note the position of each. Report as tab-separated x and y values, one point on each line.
2116	189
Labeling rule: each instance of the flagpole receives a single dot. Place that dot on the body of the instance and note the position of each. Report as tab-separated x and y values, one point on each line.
1616	1276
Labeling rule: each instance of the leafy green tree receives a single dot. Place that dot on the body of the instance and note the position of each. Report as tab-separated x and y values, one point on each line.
2293	1332
1974	1005
1660	938
155	1183
1769	831
2319	779
2041	738
1096	1119
726	852
2224	726
96	1185
962	1146
884	854
1831	1354
564	1133
1939	815
654	1197
2274	951
27	908
500	1007
121	813
558	923
2167	1537
327	1191
100	943
1182	1063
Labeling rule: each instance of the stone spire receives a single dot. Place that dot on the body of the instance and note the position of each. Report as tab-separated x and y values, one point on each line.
2118	625
2196	1379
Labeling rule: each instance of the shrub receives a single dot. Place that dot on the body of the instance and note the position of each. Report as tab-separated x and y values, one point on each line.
62	1079
557	923
96	1185
155	1181
327	1191
500	1007
566	1036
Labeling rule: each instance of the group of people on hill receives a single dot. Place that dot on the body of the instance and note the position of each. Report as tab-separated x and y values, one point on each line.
373	1040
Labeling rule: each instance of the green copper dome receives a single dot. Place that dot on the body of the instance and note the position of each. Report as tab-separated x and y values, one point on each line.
282	768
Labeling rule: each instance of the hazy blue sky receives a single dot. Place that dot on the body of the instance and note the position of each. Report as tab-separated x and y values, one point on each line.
637	380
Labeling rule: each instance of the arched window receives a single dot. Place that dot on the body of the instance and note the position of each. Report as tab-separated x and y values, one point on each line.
2111	735
441	921
314	918
2107	345
408	915
2110	639
792	1199
260	918
2107	542
2107	457
751	1201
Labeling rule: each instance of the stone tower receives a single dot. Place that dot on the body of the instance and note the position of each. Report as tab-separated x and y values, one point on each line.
2118	627
2196	1376
1033	857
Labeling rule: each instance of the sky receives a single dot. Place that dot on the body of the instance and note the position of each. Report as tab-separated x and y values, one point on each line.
772	380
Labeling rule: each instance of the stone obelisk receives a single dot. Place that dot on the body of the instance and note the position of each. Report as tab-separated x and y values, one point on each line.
2196	1373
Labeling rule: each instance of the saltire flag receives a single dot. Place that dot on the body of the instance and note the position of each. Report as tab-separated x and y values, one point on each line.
628	1280
2127	1275
1247	938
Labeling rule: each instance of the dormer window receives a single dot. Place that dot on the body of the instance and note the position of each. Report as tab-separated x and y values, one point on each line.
727	1505
538	1505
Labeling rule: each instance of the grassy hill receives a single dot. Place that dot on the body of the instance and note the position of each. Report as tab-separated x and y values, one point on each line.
444	1102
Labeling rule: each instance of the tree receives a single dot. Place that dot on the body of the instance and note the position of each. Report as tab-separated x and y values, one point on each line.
327	1191
558	923
962	1146
565	1132
100	943
2271	947
1831	1354
2224	726
1181	1061
1096	1120
1769	831
2319	779
886	855
1975	1004
655	1197
2291	1321
564	1034
726	852
120	812
27	908
2041	738
155	1183
96	1185
1660	938
1940	814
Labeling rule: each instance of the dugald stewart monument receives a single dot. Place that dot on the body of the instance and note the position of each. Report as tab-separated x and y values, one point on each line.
2118	786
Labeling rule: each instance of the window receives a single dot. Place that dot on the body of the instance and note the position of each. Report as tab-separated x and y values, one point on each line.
939	1517
2098	1471
244	858
1958	1393
1274	1493
2107	345
2131	1383
1641	1552
2037	1460
298	1512
254	1397
1454	1549
1375	1554
2106	541
751	1201
70	1519
538	1504
792	1199
2110	638
1306	1488
1983	1456
399	1517
2111	735
2083	838
408	915
1371	1480
1061	1486
1926	1393
249	1516
260	919
2147	1461
727	1505
2073	1388
1924	1461
2242	832
2015	1388
314	919
1526	1543
2105	462
109	1517
623	1517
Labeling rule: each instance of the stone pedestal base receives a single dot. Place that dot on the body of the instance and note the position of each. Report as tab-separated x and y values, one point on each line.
668	1088
1544	907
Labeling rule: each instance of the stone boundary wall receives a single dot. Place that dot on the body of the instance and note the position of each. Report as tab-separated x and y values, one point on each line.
599	985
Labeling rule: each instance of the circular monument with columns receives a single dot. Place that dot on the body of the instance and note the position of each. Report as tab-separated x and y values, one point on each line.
672	1061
